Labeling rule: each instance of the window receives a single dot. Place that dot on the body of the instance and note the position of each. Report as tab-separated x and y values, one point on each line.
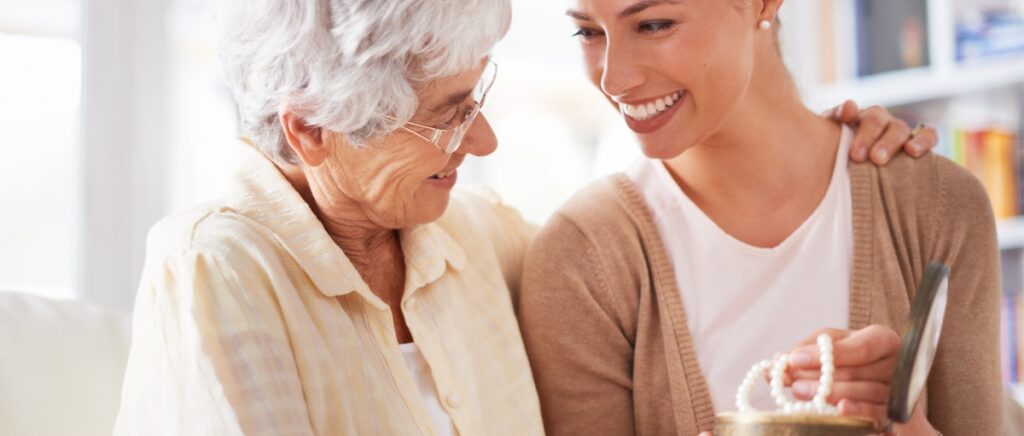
39	147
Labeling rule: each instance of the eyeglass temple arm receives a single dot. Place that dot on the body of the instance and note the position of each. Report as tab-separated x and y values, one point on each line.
436	137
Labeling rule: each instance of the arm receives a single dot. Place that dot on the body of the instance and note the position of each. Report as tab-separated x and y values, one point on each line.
965	389
210	354
580	352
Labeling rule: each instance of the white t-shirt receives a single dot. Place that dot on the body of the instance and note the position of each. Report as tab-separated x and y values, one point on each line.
421	372
746	303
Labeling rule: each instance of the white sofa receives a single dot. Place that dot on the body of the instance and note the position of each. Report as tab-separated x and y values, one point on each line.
61	366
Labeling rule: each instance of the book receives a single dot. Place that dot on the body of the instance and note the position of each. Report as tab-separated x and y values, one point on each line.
991	156
891	35
992	30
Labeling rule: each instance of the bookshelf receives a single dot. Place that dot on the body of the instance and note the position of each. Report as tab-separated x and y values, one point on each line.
921	84
957	64
826	67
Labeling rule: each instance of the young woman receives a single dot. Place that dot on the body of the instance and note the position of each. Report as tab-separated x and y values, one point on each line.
744	231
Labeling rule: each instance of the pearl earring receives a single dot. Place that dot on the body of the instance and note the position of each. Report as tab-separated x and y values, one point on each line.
764	24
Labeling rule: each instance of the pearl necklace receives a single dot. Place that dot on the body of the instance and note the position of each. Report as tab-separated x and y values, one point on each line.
775	369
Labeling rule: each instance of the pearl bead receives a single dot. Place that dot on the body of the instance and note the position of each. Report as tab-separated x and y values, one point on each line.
776	370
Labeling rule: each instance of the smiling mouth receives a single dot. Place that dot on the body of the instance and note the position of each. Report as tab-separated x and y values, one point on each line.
444	174
652	108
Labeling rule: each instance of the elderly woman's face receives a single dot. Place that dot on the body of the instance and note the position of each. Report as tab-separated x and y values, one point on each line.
402	179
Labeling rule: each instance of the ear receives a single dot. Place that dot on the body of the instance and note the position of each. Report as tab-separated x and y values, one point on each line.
306	141
768	9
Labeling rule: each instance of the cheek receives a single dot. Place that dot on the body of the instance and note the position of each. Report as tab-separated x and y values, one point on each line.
398	179
386	180
717	77
406	195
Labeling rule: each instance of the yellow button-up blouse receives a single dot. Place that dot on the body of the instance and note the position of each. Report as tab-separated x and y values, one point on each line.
251	320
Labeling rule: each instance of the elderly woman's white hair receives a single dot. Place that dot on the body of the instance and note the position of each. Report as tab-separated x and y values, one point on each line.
347	65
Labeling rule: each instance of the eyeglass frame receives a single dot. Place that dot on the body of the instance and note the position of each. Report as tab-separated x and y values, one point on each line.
465	125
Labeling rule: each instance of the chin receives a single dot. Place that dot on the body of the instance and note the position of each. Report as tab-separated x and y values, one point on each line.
668	142
664	149
430	210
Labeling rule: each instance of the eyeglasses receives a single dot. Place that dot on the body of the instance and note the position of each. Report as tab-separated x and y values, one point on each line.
449	140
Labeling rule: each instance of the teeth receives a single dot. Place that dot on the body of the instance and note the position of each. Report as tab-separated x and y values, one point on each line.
443	175
645	111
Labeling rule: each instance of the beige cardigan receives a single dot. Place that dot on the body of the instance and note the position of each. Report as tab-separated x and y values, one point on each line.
606	331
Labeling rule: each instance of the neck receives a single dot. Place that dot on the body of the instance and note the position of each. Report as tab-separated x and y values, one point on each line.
374	250
768	148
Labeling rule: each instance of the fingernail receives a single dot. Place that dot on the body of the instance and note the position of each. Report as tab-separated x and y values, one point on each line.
803	388
861	154
851	408
915	148
881	154
800	359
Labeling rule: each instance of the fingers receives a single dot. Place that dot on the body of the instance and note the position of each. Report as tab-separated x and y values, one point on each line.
896	133
867	345
865	392
874	412
922	140
836	335
873	122
861	347
846	113
705	433
879	371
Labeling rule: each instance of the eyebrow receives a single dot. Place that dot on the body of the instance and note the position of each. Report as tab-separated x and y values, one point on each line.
632	10
452	100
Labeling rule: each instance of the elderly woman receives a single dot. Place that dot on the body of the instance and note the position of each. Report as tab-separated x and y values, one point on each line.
323	295
340	287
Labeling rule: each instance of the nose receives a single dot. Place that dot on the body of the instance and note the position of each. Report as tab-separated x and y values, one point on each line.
621	72
480	139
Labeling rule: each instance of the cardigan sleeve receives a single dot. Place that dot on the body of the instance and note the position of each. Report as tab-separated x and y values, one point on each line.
580	351
964	388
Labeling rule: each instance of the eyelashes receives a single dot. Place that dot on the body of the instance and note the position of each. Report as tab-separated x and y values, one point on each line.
461	114
644	28
650	27
586	33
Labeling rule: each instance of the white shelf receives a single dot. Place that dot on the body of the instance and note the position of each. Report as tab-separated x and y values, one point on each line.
1017	390
920	84
1011	233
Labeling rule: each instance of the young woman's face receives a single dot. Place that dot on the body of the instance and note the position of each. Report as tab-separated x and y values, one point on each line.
675	69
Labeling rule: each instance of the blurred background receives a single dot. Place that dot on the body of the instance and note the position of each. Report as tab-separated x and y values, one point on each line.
113	113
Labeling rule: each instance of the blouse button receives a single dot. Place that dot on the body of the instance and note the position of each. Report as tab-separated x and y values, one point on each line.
454	401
